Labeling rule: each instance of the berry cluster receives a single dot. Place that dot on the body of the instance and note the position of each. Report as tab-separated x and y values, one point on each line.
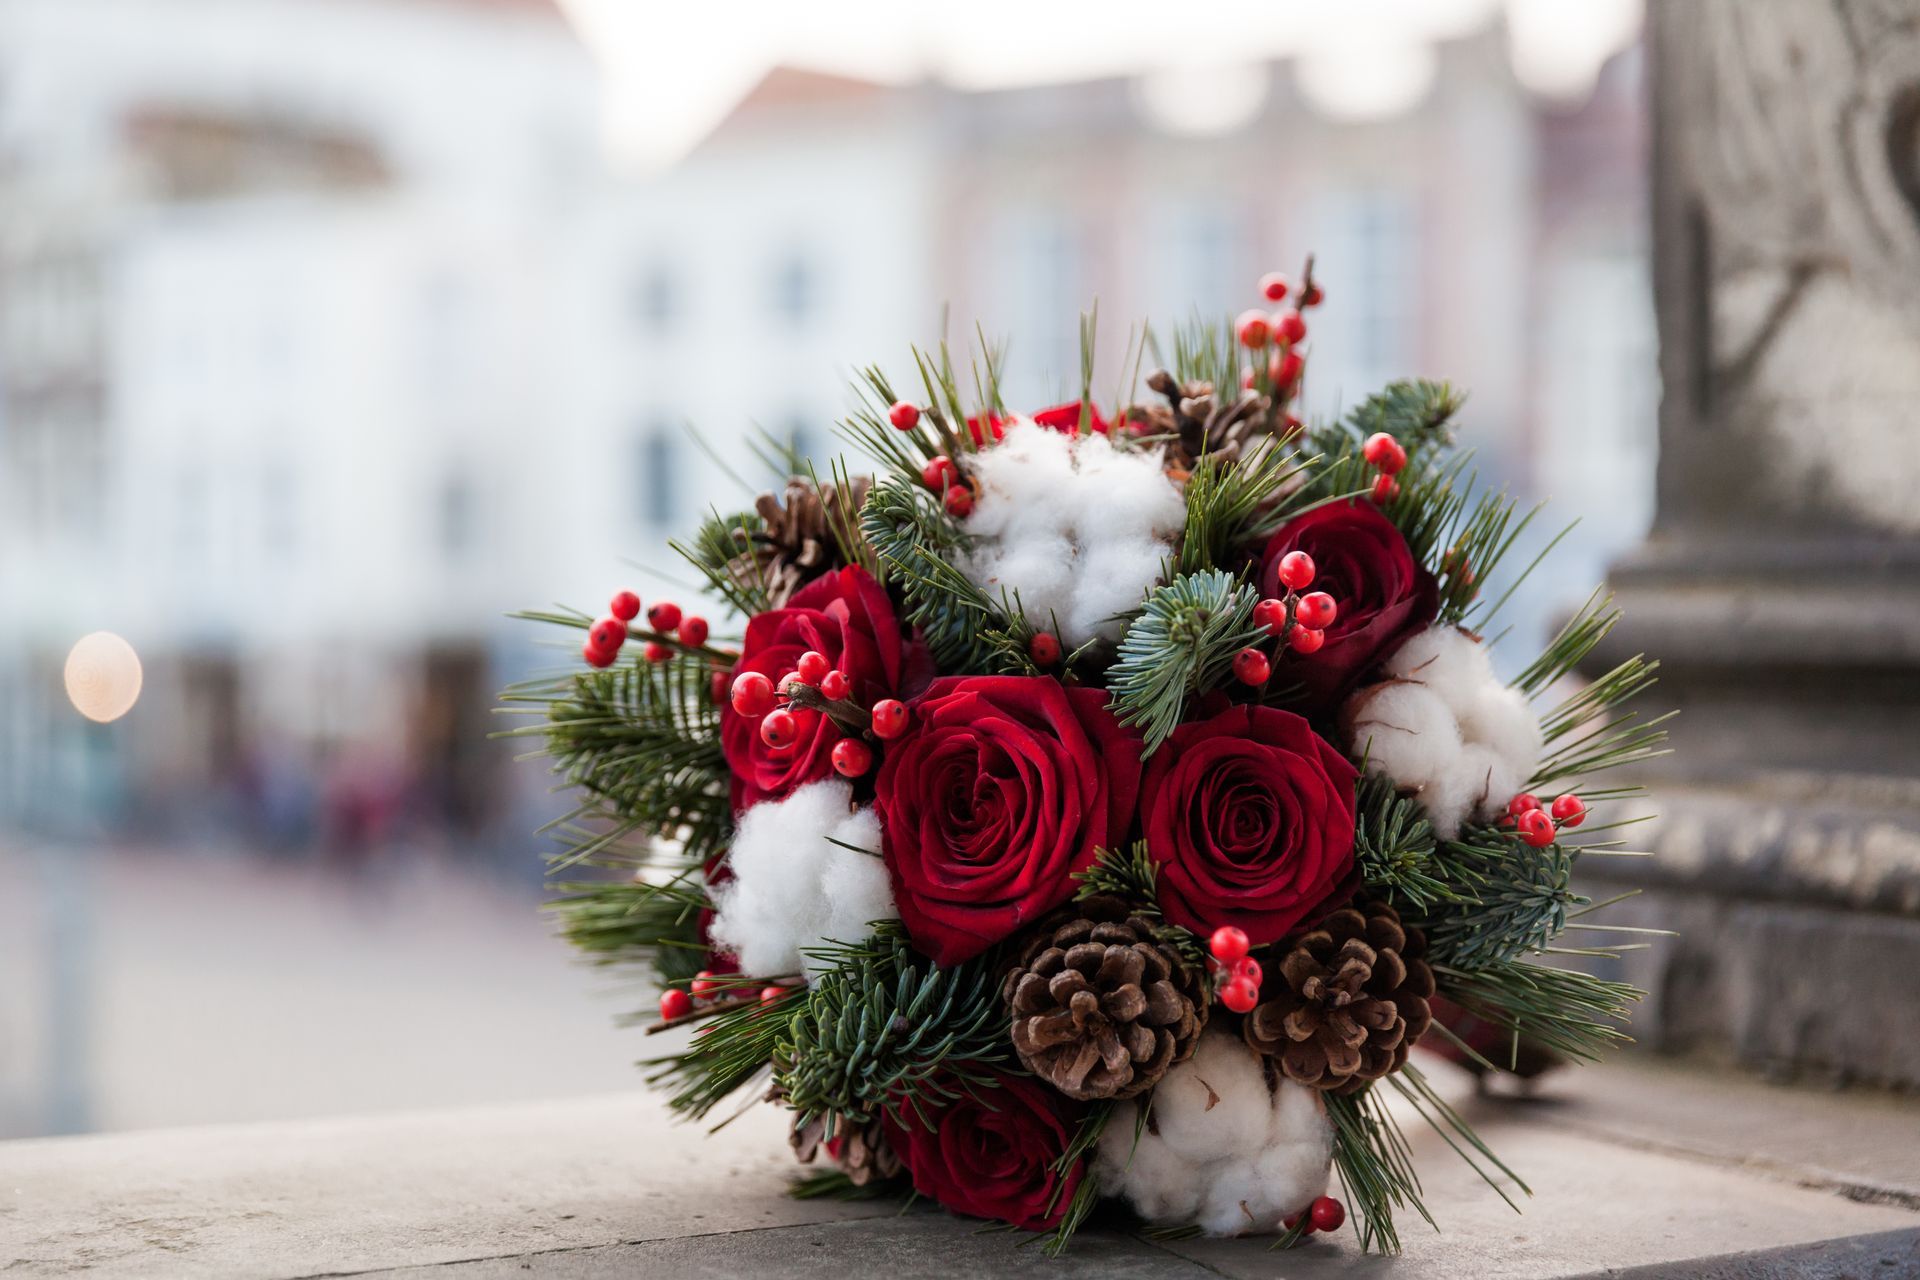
605	636
1387	456
1540	827
1298	622
1236	973
1282	330
677	1003
940	474
814	685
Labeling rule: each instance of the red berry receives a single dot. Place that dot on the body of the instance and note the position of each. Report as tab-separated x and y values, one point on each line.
1384	454
1312	296
1536	828
852	758
789	682
657	652
705	985
1272	614
1274	286
717	688
596	656
1253	329
752	694
1521	803
693	632
834	686
903	415
1306	640
773	995
812	667
889	718
1228	944
1246	379
1290	326
625	606
939	473
1327	1214
779	728
675	1004
1569	810
959	501
1250	666
1295	1221
664	616
1316	610
1248	968
1240	995
1044	648
1284	369
1385	489
1296	570
608	633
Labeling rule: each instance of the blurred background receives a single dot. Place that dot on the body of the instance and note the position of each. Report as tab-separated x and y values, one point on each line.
331	331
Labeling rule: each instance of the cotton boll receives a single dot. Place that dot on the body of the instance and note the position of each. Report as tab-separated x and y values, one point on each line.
792	887
1077	527
1160	1185
1214	1104
1113	578
1445	728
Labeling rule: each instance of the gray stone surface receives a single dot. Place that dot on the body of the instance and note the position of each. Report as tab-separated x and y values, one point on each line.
1629	1167
1780	586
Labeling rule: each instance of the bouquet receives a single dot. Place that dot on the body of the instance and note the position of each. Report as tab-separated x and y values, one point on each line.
1102	804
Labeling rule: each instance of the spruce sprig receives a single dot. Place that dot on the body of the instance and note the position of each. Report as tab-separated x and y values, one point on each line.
1394	844
1508	898
641	742
712	551
1182	645
918	544
885	1026
1575	1014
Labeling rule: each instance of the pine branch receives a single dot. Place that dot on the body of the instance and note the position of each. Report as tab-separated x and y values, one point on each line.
1569	1012
1393	845
917	542
1181	646
642	741
1507	898
730	1050
633	918
1375	1166
712	550
1232	503
1087	1193
1133	877
885	1023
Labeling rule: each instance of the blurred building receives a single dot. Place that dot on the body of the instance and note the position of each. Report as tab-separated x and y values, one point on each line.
274	368
326	339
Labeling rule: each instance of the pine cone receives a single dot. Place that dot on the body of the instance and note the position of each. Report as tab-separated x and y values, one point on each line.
1100	1008
861	1150
1201	422
1347	1000
797	545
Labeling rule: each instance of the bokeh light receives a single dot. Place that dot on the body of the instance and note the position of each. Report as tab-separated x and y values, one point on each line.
103	676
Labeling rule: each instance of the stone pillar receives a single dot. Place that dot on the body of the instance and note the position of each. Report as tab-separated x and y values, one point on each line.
1780	587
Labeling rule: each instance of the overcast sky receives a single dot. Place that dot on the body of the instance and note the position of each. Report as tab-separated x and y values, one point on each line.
674	69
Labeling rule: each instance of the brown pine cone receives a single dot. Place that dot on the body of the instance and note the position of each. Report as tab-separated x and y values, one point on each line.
798	543
1100	1008
861	1150
1347	1000
1202	422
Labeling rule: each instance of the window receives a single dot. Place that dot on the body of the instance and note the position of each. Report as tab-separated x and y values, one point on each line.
794	289
1366	239
1201	260
1037	292
657	299
660	479
459	516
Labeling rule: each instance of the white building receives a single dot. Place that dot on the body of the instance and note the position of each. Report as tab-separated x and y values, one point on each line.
277	363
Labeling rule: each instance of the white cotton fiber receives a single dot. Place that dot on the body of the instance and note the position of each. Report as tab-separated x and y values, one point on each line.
1443	726
1253	1159
1077	528
792	887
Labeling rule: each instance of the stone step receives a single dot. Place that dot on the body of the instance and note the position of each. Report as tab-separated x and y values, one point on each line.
1669	1170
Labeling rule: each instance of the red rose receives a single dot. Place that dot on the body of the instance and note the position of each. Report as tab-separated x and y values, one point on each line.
989	1152
1002	789
1383	596
1066	417
847	617
1250	817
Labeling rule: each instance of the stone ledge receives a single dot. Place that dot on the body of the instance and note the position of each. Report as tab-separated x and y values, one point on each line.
610	1186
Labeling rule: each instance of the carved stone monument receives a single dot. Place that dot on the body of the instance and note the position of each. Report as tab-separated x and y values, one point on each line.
1780	587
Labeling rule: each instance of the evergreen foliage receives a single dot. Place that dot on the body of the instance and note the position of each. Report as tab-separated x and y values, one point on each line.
1182	645
920	545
